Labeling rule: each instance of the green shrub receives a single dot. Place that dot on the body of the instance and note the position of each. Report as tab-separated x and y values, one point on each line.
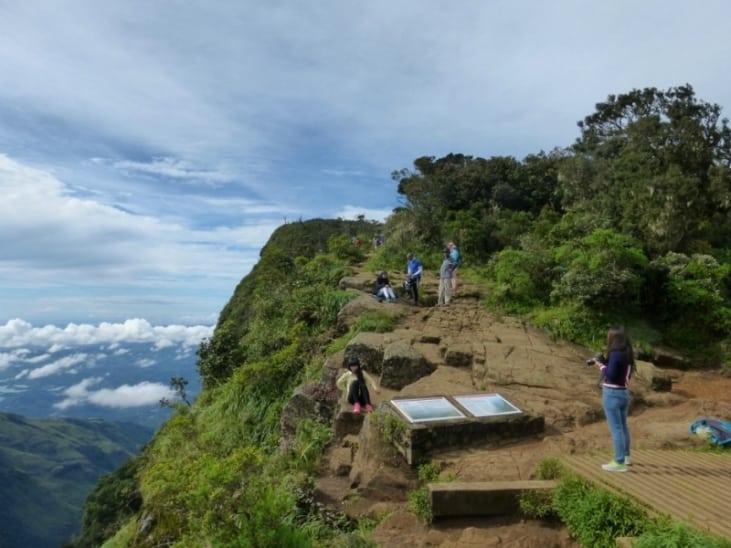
595	516
419	502
604	270
341	246
572	322
518	281
667	534
377	322
539	504
390	428
691	295
310	440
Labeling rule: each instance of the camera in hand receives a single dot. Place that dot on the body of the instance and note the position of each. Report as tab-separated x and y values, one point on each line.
599	358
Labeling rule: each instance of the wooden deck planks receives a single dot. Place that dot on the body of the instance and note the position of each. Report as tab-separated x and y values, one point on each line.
690	486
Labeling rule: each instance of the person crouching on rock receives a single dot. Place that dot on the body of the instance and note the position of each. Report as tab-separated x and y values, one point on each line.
354	384
382	289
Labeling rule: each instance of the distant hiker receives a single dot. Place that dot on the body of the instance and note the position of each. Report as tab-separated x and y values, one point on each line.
382	289
444	295
456	259
615	395
354	383
414	270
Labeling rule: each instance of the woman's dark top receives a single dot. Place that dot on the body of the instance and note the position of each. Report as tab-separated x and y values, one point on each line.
617	371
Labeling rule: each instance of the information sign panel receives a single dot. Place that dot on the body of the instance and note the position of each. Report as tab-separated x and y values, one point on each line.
428	409
487	405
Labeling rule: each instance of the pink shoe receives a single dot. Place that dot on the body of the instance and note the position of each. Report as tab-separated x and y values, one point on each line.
356	408
369	408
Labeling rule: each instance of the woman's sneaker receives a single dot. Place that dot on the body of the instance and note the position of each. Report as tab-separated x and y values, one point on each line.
627	462
369	408
614	467
356	408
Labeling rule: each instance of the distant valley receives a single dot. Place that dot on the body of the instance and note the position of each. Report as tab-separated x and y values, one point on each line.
49	466
122	382
71	414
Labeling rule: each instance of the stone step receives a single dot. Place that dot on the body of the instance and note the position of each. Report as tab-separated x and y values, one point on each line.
491	498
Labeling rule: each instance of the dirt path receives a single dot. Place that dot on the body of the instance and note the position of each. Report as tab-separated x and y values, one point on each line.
536	374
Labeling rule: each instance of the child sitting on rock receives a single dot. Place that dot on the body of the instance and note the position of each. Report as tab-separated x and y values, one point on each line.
354	384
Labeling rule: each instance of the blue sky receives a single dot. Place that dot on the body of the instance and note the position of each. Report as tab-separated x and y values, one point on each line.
149	149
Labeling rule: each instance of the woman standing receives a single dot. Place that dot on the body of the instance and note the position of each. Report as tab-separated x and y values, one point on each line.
354	383
615	395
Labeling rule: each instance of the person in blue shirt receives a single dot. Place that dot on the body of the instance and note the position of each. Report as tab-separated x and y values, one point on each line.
456	259
414	270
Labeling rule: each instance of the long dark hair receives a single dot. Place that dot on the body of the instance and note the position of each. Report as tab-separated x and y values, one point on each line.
359	372
618	339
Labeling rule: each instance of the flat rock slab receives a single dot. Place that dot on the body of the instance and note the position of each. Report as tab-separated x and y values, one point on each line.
492	498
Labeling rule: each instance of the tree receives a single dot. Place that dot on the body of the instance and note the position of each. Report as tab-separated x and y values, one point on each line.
177	384
603	271
653	164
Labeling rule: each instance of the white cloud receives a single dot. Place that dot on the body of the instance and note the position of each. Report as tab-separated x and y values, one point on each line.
7	358
19	333
174	169
125	396
65	363
145	362
12	389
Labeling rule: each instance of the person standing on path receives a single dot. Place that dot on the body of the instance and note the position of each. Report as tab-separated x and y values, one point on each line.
414	269
444	295
456	259
615	395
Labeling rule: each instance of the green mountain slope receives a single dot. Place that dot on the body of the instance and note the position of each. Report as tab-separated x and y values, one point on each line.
48	467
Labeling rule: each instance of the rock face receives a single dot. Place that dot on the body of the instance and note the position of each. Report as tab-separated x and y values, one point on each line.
368	348
403	365
658	379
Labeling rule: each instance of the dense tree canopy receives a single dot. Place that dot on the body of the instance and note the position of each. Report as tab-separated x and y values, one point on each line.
591	225
653	164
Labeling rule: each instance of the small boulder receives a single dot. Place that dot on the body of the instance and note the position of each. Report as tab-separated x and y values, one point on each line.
658	379
402	365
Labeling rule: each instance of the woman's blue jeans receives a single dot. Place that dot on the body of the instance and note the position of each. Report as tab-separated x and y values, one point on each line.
616	407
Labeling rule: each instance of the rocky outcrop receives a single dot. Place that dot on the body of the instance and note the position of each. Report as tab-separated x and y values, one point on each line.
658	379
368	348
665	357
402	365
459	355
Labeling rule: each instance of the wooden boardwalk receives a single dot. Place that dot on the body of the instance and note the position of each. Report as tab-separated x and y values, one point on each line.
693	487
